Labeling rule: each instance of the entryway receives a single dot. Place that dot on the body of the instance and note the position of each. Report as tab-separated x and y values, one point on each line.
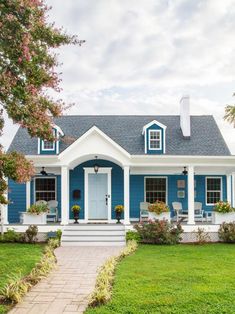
98	194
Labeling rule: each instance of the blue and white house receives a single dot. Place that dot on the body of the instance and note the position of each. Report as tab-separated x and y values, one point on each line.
99	162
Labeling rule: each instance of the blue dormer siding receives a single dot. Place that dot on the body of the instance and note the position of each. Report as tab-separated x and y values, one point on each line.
42	151
155	151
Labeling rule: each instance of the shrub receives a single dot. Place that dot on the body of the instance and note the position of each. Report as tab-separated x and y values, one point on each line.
223	207
59	234
132	235
202	237
10	236
31	234
158	207
227	232
159	232
104	281
37	209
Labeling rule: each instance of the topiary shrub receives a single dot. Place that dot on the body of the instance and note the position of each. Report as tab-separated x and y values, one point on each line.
227	232
159	232
31	234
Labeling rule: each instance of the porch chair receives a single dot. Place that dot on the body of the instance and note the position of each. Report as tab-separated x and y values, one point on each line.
198	211
144	211
178	209
41	202
53	211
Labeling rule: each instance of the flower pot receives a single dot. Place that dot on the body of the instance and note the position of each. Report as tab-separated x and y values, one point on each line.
162	216
76	217
118	217
219	218
34	219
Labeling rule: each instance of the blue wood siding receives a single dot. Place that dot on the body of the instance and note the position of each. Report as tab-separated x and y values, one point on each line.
155	127
137	183
77	183
17	198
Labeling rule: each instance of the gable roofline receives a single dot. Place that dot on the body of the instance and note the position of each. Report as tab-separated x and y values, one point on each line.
94	129
146	126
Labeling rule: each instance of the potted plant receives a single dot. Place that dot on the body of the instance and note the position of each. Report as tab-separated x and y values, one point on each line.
223	212
119	209
76	209
36	214
159	210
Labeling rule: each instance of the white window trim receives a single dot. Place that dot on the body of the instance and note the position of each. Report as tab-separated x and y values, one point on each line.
48	149
221	190
160	140
47	177
159	177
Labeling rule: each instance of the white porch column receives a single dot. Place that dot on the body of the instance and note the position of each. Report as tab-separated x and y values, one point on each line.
229	188
126	195
233	189
28	194
5	207
64	195
191	195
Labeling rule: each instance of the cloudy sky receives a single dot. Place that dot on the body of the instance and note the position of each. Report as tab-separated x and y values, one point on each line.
140	57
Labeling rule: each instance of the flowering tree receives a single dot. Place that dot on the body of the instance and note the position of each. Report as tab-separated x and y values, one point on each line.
27	70
230	114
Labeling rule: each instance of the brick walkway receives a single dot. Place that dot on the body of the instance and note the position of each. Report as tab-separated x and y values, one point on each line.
67	288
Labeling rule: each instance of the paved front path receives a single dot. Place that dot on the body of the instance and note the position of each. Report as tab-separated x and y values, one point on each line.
67	288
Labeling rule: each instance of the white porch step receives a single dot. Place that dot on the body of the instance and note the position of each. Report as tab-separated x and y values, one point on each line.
93	235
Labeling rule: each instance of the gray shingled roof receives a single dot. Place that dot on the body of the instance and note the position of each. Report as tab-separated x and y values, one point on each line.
206	139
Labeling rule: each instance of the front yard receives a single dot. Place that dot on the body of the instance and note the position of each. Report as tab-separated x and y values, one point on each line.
175	279
17	259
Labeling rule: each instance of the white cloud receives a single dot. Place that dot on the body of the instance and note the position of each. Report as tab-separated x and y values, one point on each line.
141	57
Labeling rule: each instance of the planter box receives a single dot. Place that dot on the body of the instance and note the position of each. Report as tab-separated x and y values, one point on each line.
32	219
219	218
162	216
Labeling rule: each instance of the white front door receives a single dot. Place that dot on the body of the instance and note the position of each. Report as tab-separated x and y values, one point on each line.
97	194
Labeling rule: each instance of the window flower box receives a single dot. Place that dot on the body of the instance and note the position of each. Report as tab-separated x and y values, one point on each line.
159	211
162	216
223	212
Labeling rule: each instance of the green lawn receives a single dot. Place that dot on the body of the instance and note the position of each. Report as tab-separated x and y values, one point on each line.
17	259
175	279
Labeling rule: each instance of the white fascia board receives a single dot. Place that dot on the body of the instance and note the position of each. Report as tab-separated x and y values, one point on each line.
58	129
89	132
145	127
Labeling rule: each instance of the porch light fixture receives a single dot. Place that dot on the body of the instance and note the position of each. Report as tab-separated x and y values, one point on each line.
185	171
96	166
43	172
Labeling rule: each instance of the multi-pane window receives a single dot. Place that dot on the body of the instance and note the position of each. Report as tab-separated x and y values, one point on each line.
155	190
155	139
45	189
213	190
48	145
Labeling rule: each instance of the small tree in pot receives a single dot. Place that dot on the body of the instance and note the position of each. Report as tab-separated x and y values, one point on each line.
119	209
76	209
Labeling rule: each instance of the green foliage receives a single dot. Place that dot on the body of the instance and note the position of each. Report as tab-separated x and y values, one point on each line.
10	236
54	243
159	232
132	235
227	232
202	237
37	209
104	282
31	233
59	234
177	279
223	207
230	114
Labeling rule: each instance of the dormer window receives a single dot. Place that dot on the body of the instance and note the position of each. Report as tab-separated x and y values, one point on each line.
155	142
154	138
48	145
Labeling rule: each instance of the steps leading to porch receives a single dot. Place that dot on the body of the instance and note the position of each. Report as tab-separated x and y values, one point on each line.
93	235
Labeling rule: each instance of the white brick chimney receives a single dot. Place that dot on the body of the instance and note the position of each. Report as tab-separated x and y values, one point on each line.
185	116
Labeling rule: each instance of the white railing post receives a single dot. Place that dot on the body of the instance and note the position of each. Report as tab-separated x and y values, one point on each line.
126	195
191	220
64	195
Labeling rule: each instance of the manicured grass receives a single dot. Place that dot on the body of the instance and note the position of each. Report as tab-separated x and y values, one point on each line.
175	279
17	259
